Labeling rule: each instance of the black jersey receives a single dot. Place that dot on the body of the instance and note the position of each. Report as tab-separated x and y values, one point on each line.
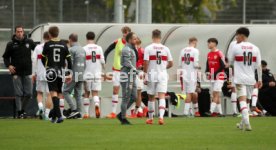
55	52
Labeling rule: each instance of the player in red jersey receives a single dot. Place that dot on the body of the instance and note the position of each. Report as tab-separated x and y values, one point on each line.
215	70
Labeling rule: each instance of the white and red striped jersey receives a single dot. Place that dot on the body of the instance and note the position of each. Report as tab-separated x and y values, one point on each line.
38	68
246	58
94	61
158	56
188	62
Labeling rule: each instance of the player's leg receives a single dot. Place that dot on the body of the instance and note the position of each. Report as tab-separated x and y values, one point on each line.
86	101
151	90
27	92
234	102
241	94
138	112
96	100
217	97
48	105
161	89
39	98
195	104
186	87
254	100
67	90
213	99
115	96
78	96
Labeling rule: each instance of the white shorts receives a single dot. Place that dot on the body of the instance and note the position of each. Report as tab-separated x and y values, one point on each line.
189	87
42	86
93	86
116	78
157	87
216	86
244	90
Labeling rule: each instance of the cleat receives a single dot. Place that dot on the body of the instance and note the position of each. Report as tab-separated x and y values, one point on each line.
59	120
149	121
85	116
111	116
125	122
214	114
53	120
220	115
161	121
97	112
197	114
73	115
208	114
248	127
41	114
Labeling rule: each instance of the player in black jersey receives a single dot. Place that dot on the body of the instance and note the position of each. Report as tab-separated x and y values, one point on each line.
55	54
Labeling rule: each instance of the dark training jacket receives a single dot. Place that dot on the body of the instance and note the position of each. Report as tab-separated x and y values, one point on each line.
18	53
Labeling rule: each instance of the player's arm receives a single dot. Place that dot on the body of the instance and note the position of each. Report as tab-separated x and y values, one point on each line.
259	70
207	67
180	60
34	61
126	60
196	60
221	66
44	58
102	58
7	54
110	48
170	60
68	59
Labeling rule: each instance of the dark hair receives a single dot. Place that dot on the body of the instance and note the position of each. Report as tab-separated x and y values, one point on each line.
46	35
213	40
264	63
18	26
156	33
139	41
90	35
64	41
129	36
125	29
244	31
73	37
192	39
53	31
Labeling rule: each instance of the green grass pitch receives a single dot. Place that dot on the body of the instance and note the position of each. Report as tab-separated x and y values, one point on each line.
177	133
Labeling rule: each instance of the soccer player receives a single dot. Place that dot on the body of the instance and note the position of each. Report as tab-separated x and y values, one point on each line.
128	77
41	82
245	57
78	61
157	59
93	73
54	56
215	69
189	63
117	46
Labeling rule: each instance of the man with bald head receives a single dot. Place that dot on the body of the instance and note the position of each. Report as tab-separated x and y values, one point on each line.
78	67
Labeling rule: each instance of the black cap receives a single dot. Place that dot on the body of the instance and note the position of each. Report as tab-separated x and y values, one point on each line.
264	63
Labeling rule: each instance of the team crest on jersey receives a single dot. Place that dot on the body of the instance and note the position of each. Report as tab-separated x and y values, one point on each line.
27	45
215	57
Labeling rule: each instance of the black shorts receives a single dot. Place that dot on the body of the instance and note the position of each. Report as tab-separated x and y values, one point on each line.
56	85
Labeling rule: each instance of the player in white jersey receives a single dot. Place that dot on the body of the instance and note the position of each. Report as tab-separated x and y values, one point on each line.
189	64
246	58
39	73
93	73
157	59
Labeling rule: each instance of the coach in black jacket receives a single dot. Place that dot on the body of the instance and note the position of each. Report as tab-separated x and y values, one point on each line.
17	58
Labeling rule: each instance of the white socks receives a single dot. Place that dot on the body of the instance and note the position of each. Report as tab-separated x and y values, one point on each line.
219	109
162	107
61	106
187	108
254	97
234	102
213	107
115	99
244	112
47	112
86	104
151	109
96	100
40	106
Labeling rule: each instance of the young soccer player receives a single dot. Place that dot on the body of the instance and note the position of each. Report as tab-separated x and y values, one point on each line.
54	55
41	82
189	63
215	70
117	46
93	74
246	58
157	59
